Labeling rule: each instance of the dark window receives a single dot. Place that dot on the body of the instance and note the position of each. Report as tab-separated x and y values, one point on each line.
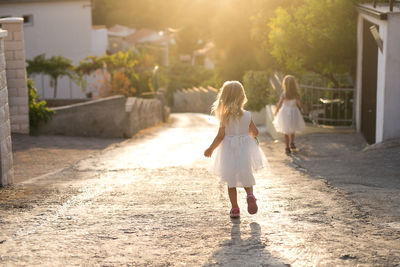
28	20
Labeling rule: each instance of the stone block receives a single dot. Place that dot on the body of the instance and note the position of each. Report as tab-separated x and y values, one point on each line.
13	45
3	79
3	114
18	101
24	128
9	37
15	128
2	62
18	36
21	74
19	54
3	96
19	119
12	93
15	64
15	83
11	74
23	110
9	55
5	129
12	27
14	111
23	92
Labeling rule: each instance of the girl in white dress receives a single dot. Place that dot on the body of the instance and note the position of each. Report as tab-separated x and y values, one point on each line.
288	118
237	153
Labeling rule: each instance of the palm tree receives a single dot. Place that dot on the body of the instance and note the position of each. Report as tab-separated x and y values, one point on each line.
55	67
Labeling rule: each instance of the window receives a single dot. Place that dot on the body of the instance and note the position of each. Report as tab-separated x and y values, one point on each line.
28	20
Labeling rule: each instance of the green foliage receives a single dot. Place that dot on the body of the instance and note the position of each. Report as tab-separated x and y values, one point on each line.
183	75
258	90
131	68
55	67
315	35
38	112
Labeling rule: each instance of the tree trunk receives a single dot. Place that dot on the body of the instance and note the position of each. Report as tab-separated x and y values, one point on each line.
55	87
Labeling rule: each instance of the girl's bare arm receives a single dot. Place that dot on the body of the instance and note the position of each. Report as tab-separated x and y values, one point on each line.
253	129
279	105
217	140
299	104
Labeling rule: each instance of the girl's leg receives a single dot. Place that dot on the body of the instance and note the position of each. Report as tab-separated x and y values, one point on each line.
251	201
287	140
291	138
233	196
249	190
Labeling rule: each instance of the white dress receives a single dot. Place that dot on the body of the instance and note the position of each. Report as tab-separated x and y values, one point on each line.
289	119
238	155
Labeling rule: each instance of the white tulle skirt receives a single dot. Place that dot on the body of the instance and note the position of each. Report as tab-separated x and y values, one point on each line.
289	120
236	159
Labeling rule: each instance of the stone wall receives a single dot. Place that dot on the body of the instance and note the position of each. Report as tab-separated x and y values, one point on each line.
6	160
16	74
197	100
111	117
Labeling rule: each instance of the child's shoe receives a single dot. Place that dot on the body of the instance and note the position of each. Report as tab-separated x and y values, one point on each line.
251	204
287	151
292	146
235	213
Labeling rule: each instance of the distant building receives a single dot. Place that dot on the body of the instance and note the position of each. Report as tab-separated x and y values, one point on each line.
205	56
57	27
378	69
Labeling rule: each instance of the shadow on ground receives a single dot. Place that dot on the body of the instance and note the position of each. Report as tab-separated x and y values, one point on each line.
238	251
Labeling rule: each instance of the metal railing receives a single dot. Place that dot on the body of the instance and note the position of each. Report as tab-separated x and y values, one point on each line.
391	3
328	106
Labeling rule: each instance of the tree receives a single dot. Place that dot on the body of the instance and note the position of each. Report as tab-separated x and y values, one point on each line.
56	67
313	35
130	72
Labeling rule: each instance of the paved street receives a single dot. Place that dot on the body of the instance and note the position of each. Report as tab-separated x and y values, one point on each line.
149	201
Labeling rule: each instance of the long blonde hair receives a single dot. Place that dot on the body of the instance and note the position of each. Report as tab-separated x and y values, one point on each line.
230	101
290	87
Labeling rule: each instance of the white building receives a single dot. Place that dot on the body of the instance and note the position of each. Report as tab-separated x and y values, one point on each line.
57	27
378	70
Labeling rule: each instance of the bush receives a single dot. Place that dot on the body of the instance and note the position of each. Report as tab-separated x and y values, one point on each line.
38	112
183	75
258	90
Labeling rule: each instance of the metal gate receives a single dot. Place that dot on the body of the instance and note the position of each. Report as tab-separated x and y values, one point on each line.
328	106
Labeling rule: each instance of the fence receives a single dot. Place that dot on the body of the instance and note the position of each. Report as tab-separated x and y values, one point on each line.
328	106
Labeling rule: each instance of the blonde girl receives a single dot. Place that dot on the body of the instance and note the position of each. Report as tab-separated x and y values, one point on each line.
288	118
237	154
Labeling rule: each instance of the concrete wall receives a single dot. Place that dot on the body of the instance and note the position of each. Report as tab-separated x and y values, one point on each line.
6	160
115	116
194	100
388	83
16	74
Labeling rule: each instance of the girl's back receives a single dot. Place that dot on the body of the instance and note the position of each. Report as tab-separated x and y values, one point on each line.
239	126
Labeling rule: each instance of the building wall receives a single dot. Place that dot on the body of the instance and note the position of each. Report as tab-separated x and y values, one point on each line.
388	86
58	28
6	160
16	75
391	121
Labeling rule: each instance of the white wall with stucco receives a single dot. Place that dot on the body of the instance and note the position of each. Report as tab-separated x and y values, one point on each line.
388	79
59	28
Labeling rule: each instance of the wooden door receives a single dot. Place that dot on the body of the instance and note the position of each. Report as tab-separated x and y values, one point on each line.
369	84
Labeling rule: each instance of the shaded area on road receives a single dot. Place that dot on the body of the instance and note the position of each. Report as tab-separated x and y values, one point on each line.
38	155
369	174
